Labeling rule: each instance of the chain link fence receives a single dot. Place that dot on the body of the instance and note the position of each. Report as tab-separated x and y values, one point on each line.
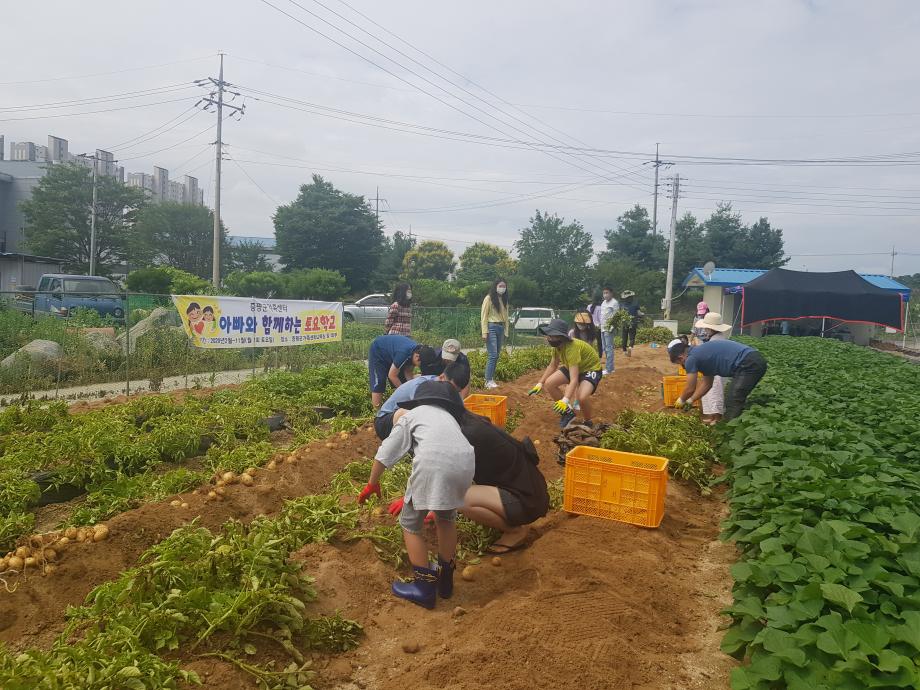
48	351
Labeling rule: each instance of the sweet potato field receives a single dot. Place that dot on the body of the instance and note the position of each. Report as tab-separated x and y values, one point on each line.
825	509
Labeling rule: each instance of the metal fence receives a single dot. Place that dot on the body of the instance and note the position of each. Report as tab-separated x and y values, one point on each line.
140	346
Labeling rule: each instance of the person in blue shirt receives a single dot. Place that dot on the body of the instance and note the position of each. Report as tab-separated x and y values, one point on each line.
727	358
393	358
431	371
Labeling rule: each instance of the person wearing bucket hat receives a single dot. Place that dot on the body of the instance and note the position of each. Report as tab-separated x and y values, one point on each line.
630	304
714	400
572	375
443	465
719	357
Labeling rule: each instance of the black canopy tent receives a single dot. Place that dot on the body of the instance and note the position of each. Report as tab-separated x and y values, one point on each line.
780	295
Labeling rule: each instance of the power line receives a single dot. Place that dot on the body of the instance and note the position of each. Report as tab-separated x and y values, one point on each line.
388	71
250	178
96	100
746	116
96	112
103	74
141	136
159	134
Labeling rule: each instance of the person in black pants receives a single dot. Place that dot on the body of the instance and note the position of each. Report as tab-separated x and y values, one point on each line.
742	363
594	309
629	302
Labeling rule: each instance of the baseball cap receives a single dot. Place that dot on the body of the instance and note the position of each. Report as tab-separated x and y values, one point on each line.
450	349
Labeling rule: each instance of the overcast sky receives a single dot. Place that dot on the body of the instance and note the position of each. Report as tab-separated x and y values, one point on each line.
778	80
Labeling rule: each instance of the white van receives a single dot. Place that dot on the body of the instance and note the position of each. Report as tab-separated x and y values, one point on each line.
531	318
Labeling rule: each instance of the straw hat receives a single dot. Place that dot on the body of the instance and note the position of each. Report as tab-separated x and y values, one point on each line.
582	317
713	321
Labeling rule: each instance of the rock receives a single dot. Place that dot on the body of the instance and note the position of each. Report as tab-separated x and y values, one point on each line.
36	352
410	647
159	318
102	343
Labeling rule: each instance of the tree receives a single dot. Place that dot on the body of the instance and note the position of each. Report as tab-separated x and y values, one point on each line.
178	235
623	274
264	284
58	217
765	246
327	228
633	240
249	256
428	292
484	262
390	267
314	283
431	259
165	280
523	291
556	256
691	248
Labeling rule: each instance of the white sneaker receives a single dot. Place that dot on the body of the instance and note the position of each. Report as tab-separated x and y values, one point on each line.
491	384
605	372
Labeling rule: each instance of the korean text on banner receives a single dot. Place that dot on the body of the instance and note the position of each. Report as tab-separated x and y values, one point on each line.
234	322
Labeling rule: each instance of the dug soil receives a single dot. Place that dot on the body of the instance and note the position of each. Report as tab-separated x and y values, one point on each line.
588	604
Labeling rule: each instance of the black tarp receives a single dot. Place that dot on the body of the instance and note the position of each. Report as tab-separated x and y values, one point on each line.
781	294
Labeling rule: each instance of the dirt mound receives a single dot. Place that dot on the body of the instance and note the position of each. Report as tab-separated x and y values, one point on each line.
590	604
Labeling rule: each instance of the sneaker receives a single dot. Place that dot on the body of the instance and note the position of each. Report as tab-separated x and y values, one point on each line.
606	373
566	419
629	352
491	384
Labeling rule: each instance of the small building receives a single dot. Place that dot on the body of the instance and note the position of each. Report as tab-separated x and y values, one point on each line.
17	270
723	292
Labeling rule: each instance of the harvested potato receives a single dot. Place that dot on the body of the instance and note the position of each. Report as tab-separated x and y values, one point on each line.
228	477
536	442
16	563
71	533
176	503
49	569
272	465
330	444
468	573
23	552
220	482
251	471
377	512
63	541
31	562
212	494
184	505
246	479
496	561
49	554
100	533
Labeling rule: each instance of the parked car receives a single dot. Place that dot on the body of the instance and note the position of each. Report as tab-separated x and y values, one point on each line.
531	318
368	309
58	295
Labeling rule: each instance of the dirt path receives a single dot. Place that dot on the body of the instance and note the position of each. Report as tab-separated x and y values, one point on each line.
590	604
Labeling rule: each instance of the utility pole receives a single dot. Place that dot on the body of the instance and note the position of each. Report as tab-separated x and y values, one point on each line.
655	202
658	163
92	222
216	99
378	200
893	254
669	284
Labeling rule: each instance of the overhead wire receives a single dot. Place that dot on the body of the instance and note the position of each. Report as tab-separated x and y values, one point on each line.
96	112
397	76
103	74
96	100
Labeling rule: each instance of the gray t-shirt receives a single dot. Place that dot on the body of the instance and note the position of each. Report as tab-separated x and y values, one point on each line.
443	464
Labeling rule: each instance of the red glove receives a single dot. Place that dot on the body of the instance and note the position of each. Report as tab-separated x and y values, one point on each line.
367	491
430	517
396	506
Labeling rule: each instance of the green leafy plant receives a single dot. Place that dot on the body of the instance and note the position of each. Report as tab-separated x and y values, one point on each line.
824	499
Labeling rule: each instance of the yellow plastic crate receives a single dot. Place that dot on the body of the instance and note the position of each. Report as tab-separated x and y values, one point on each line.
613	485
495	407
672	387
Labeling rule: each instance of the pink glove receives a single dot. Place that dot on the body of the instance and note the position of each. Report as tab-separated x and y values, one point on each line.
396	506
367	491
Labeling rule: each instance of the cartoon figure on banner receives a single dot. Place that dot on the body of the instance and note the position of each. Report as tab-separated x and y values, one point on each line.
195	318
209	319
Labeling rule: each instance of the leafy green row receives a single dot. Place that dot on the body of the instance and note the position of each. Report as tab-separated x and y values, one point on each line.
825	509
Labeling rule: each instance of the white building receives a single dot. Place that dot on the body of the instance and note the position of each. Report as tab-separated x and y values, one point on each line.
175	192
57	150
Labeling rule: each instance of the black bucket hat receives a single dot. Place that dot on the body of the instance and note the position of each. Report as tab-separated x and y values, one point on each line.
556	327
440	393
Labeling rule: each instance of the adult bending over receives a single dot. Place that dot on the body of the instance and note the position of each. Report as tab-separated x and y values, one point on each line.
726	358
393	358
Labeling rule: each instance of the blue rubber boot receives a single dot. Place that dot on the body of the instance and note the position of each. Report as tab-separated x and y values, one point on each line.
423	590
446	578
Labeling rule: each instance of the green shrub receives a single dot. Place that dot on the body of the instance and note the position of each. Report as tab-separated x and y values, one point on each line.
657	334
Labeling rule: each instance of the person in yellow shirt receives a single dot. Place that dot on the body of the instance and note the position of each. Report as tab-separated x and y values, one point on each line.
494	322
573	374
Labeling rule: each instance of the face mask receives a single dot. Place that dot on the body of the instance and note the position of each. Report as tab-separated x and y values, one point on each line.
501	290
408	295
554	342
582	326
